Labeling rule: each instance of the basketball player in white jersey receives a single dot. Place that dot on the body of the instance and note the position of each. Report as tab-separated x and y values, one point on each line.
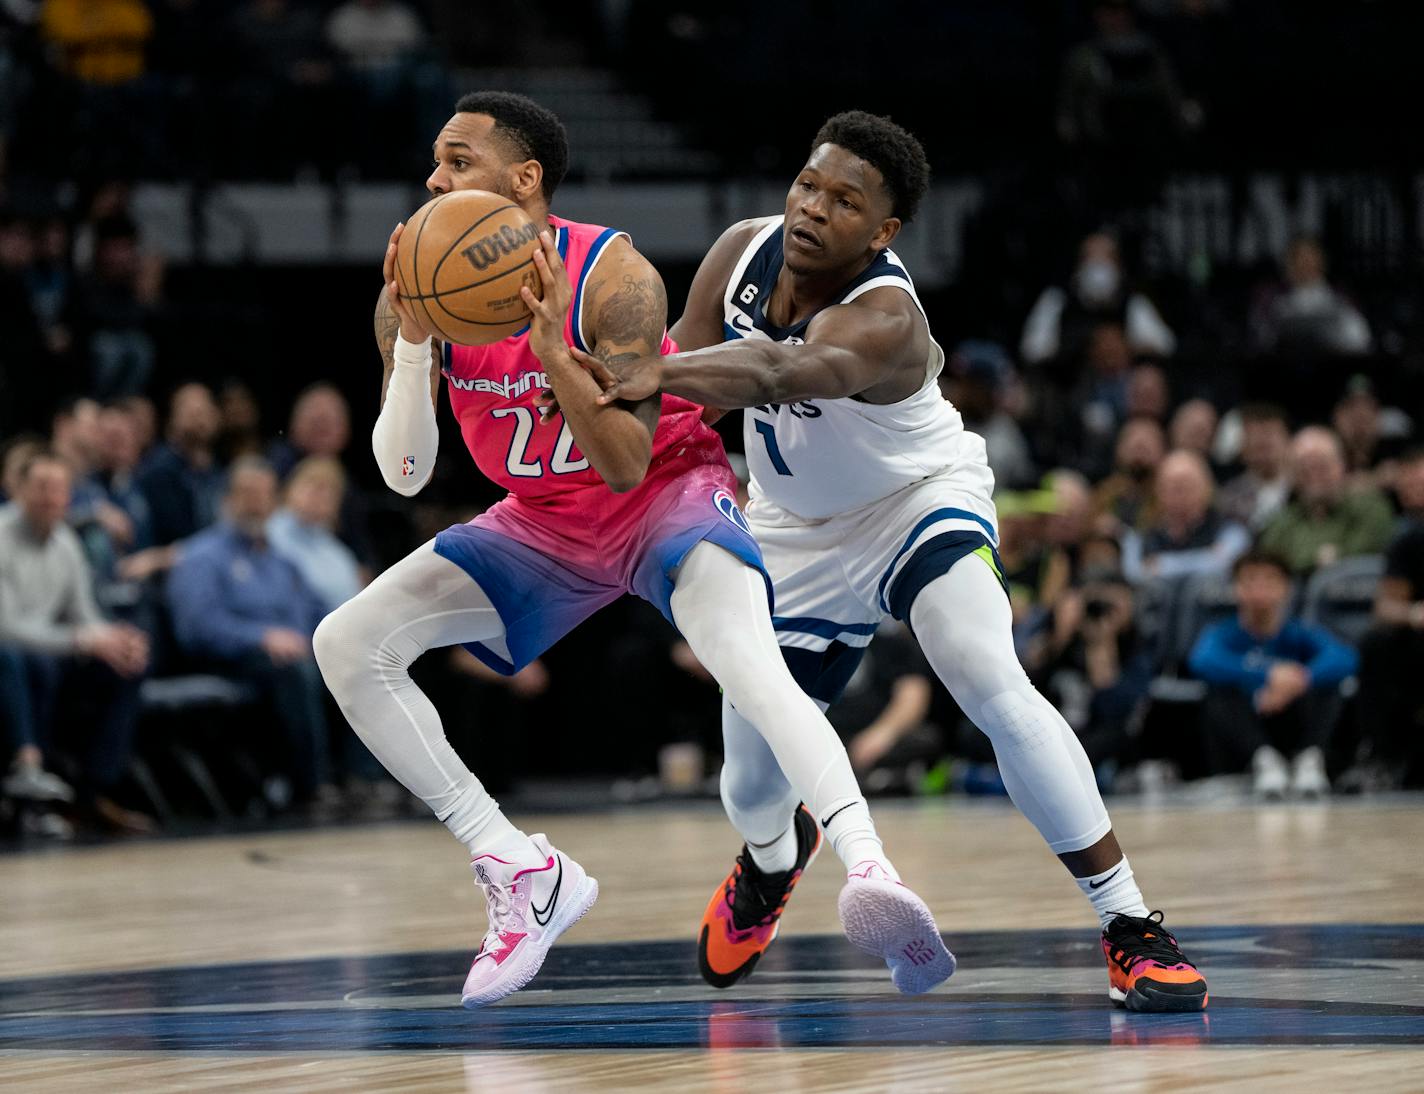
869	500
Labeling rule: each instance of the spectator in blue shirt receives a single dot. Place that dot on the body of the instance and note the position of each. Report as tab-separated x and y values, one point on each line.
303	532
245	609
1274	683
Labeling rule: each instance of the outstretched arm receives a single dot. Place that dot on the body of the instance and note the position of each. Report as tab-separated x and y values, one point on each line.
874	347
629	310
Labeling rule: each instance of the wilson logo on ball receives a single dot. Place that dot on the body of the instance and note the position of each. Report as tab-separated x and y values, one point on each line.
490	249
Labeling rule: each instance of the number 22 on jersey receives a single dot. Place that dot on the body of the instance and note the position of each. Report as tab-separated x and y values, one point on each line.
517	462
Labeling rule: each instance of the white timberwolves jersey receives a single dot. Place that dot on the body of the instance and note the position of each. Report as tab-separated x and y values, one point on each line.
817	459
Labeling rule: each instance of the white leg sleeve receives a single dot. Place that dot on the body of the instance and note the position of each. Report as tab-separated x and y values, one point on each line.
758	799
964	625
720	607
365	649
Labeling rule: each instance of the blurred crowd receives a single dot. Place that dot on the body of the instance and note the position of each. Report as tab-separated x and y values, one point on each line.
1211	504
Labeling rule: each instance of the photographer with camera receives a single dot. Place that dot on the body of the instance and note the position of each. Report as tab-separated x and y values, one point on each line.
1097	672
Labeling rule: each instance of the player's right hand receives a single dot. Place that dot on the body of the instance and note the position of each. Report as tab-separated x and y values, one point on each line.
411	330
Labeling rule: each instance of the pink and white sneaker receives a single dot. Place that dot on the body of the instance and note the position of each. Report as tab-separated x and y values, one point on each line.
884	917
529	907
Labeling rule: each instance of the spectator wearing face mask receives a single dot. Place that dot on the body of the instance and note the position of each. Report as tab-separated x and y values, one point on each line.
1063	318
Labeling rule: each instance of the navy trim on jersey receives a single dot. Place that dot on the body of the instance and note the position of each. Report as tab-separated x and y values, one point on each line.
594	252
932	559
763	270
821	628
824	674
939	514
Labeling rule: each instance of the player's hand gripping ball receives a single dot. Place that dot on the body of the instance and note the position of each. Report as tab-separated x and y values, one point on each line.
460	263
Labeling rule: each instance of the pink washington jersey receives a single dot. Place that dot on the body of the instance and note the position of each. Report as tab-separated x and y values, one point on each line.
492	391
561	544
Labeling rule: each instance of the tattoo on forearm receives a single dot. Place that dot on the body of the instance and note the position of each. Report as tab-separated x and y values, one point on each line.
387	326
634	313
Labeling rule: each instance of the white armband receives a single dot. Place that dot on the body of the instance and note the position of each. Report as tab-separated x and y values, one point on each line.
406	436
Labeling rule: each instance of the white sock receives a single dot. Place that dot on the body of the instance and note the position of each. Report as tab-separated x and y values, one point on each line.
777	856
852	836
1112	892
484	830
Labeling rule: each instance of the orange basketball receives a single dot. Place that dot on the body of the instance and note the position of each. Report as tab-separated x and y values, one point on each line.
460	263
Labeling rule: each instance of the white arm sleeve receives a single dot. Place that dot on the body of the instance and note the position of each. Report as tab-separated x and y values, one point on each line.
1146	330
406	437
1040	333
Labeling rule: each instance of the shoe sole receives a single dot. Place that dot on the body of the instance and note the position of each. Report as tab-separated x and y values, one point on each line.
746	968
1158	1002
888	920
571	913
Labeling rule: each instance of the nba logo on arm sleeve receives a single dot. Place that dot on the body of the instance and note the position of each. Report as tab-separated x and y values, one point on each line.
407	466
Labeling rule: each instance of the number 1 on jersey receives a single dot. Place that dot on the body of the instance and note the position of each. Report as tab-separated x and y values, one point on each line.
768	434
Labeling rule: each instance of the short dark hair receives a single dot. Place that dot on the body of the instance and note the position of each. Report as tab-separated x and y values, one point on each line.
536	132
1413	454
1259	557
893	151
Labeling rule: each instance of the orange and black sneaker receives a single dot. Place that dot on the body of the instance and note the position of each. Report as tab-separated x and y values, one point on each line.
745	912
1147	971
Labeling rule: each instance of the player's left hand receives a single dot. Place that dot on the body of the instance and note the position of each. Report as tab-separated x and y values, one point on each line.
635	380
549	315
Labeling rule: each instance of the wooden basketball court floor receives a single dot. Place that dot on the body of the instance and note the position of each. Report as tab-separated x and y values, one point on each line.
332	959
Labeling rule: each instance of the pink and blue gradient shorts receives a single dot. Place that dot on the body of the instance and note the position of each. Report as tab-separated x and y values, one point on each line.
545	576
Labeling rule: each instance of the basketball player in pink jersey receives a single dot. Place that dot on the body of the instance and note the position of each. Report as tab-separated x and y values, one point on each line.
603	500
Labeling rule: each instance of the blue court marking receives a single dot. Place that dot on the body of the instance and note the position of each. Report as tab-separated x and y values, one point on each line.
809	992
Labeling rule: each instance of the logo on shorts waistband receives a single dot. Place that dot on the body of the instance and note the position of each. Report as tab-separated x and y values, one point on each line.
727	506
